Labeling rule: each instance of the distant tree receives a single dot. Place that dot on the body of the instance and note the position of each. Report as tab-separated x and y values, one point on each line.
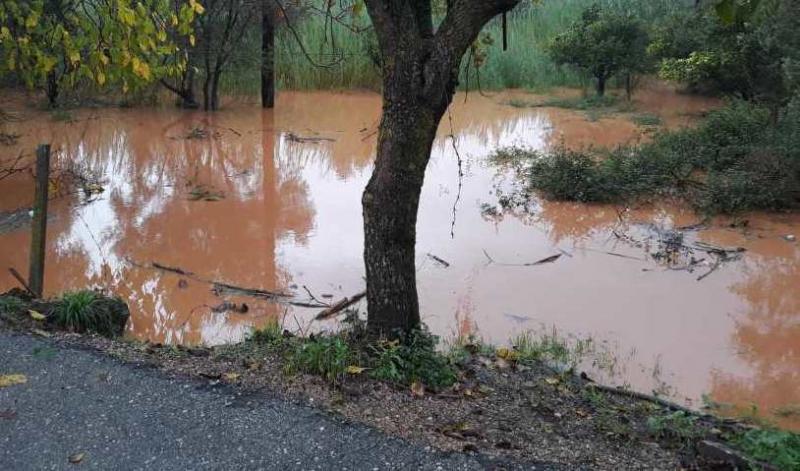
48	44
603	44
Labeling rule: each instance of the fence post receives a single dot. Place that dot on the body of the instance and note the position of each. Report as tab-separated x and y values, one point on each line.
39	222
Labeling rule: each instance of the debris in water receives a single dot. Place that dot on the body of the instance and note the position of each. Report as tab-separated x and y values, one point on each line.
292	137
550	259
8	139
790	237
438	260
201	193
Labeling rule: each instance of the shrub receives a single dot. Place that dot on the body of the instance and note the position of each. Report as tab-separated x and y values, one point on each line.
568	175
82	311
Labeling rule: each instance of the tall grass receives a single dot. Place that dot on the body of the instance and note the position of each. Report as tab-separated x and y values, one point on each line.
524	65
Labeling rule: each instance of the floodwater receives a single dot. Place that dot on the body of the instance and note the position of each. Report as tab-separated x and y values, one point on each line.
271	200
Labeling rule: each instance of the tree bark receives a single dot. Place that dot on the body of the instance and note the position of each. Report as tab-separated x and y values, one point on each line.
267	55
420	73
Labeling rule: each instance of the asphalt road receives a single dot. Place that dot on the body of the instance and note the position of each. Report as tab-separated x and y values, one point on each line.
122	417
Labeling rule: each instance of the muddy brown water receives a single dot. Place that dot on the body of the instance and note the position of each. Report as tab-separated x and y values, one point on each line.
271	200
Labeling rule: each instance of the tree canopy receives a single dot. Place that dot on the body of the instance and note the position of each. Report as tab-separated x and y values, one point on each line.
52	43
602	43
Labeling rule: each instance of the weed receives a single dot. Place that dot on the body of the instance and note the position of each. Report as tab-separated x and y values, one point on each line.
326	356
777	447
552	347
646	119
61	116
677	425
413	359
269	334
86	310
11	304
568	175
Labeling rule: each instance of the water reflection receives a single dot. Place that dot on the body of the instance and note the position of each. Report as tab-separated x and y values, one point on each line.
288	216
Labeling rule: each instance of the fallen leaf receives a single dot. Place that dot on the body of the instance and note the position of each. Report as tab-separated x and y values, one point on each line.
231	376
41	333
76	458
417	389
8	414
503	352
355	369
10	380
552	380
36	315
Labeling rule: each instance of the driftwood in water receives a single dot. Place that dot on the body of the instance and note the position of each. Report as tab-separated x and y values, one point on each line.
340	306
439	260
550	259
219	287
295	138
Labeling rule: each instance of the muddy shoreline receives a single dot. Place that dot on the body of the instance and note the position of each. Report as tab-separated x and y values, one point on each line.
501	409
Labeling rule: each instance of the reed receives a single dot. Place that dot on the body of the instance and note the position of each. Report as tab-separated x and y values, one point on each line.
350	57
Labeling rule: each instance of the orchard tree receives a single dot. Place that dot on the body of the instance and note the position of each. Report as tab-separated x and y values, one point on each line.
50	44
420	65
603	44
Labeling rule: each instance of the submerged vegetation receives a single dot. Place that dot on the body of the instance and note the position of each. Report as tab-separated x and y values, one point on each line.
736	160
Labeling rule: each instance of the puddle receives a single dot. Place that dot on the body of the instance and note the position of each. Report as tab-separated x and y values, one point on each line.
271	201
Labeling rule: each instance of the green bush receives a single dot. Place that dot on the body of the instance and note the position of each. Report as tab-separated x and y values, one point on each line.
88	311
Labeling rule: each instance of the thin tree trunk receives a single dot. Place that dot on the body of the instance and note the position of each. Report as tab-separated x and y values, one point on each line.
52	89
267	56
215	89
601	85
207	92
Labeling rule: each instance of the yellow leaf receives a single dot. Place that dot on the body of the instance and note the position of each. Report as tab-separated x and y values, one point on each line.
36	315
100	77
174	19
161	35
197	7
231	376
355	369
74	57
552	380
417	389
32	21
10	380
191	39
5	33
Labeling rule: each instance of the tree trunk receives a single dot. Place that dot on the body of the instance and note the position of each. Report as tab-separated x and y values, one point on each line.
207	92
267	56
420	73
52	89
601	85
390	204
215	89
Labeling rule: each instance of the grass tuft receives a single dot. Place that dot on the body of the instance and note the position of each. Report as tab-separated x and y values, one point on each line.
87	311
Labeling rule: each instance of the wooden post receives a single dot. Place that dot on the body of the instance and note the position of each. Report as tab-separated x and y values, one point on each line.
39	222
